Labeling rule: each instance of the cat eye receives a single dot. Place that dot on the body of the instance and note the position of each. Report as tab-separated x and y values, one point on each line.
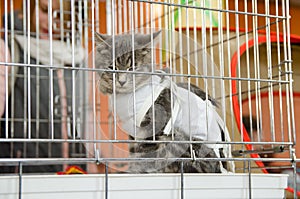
111	67
130	69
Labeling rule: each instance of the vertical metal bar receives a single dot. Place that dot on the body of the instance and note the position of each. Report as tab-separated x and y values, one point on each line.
213	91
142	28
180	42
222	72
294	166
13	76
24	80
28	70
73	71
113	31
94	132
248	70
153	23
136	19
108	17
106	180
204	64
166	14
120	19
286	76
81	81
237	35
188	65
250	179
195	53
293	127
131	26
125	15
258	89
86	25
97	16
111	118
229	70
66	147
147	18
270	72
20	179
132	30
257	73
65	118
79	23
279	72
254	66
291	135
50	25
61	18
289	95
85	80
171	35
152	70
114	12
181	181
160	43
6	68
37	96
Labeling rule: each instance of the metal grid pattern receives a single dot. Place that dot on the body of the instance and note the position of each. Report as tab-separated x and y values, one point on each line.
238	52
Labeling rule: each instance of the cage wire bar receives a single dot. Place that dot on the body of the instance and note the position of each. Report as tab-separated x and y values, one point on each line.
55	115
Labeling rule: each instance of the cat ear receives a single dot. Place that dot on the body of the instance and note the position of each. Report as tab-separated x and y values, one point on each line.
101	38
145	40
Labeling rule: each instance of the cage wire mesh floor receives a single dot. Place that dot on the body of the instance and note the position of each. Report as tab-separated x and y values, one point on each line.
174	96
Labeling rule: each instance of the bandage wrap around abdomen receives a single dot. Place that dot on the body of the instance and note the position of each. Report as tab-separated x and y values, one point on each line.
190	114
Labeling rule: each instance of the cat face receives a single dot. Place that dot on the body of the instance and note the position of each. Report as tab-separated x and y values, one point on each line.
124	60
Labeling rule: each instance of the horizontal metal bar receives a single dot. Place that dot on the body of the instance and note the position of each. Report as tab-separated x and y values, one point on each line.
32	120
242	169
211	9
138	141
41	161
150	73
277	149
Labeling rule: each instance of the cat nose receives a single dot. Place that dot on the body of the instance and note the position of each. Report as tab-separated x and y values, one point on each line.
122	78
122	82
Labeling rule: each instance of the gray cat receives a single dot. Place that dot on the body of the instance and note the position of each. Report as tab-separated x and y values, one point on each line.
169	154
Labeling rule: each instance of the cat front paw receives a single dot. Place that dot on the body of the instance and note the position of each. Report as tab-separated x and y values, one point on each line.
104	87
106	91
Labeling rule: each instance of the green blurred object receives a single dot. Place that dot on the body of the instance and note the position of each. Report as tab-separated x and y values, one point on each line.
207	4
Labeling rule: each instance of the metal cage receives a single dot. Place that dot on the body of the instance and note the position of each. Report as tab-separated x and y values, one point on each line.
56	119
